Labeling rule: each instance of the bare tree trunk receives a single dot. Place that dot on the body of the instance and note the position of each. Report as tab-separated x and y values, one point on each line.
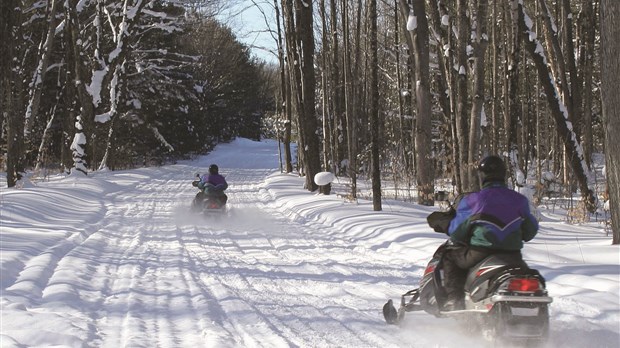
588	37
610	80
309	122
558	111
575	110
300	47
45	51
495	100
426	179
513	112
47	134
374	108
462	95
399	84
327	113
339	124
284	95
479	53
10	23
87	111
351	136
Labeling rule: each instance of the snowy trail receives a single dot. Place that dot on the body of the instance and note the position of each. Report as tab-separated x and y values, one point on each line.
116	260
150	274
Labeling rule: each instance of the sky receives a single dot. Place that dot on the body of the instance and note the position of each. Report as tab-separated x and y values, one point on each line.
117	259
249	24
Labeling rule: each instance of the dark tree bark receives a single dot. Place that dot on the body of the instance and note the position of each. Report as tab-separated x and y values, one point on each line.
39	75
513	112
610	80
83	122
426	179
300	45
339	122
462	128
349	117
558	110
480	46
326	110
587	55
374	109
284	88
10	22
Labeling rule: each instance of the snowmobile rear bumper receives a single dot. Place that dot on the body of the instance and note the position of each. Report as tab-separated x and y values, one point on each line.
512	298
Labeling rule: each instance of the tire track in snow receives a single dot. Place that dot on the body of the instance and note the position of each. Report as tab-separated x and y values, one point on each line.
245	277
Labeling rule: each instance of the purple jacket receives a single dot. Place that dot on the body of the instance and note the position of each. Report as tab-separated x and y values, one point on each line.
495	218
213	183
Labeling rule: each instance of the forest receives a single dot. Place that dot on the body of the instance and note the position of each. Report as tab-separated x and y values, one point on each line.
89	85
410	91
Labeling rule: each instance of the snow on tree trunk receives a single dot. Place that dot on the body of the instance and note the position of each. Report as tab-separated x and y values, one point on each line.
77	148
38	77
480	45
558	109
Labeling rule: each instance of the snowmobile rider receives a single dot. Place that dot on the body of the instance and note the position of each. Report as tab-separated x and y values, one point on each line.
213	184
493	220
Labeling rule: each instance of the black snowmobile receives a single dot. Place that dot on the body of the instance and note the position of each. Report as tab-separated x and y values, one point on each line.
504	298
208	200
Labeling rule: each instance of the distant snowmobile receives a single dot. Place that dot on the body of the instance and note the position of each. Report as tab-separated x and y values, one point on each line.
209	200
504	298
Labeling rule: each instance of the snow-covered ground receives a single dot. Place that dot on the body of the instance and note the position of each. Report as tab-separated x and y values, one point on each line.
116	260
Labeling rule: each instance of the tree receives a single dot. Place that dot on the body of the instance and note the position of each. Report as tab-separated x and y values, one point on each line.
610	51
417	27
10	16
479	36
374	109
558	109
298	16
284	95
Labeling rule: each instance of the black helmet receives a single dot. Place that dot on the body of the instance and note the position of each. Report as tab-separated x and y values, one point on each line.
492	168
213	169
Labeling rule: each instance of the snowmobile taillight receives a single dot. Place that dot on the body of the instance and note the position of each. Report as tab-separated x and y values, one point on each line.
524	284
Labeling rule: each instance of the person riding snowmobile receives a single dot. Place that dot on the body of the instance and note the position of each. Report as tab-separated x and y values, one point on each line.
213	185
493	220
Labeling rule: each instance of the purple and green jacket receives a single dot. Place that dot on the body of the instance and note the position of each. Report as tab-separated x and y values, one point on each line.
213	184
496	218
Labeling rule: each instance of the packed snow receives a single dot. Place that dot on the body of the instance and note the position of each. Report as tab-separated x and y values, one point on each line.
116	259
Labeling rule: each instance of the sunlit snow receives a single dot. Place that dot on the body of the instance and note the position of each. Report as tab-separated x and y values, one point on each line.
116	259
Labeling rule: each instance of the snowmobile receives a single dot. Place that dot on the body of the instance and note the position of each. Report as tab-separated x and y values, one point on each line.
504	298
207	200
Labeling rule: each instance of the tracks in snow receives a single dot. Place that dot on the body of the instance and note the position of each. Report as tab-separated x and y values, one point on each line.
151	275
